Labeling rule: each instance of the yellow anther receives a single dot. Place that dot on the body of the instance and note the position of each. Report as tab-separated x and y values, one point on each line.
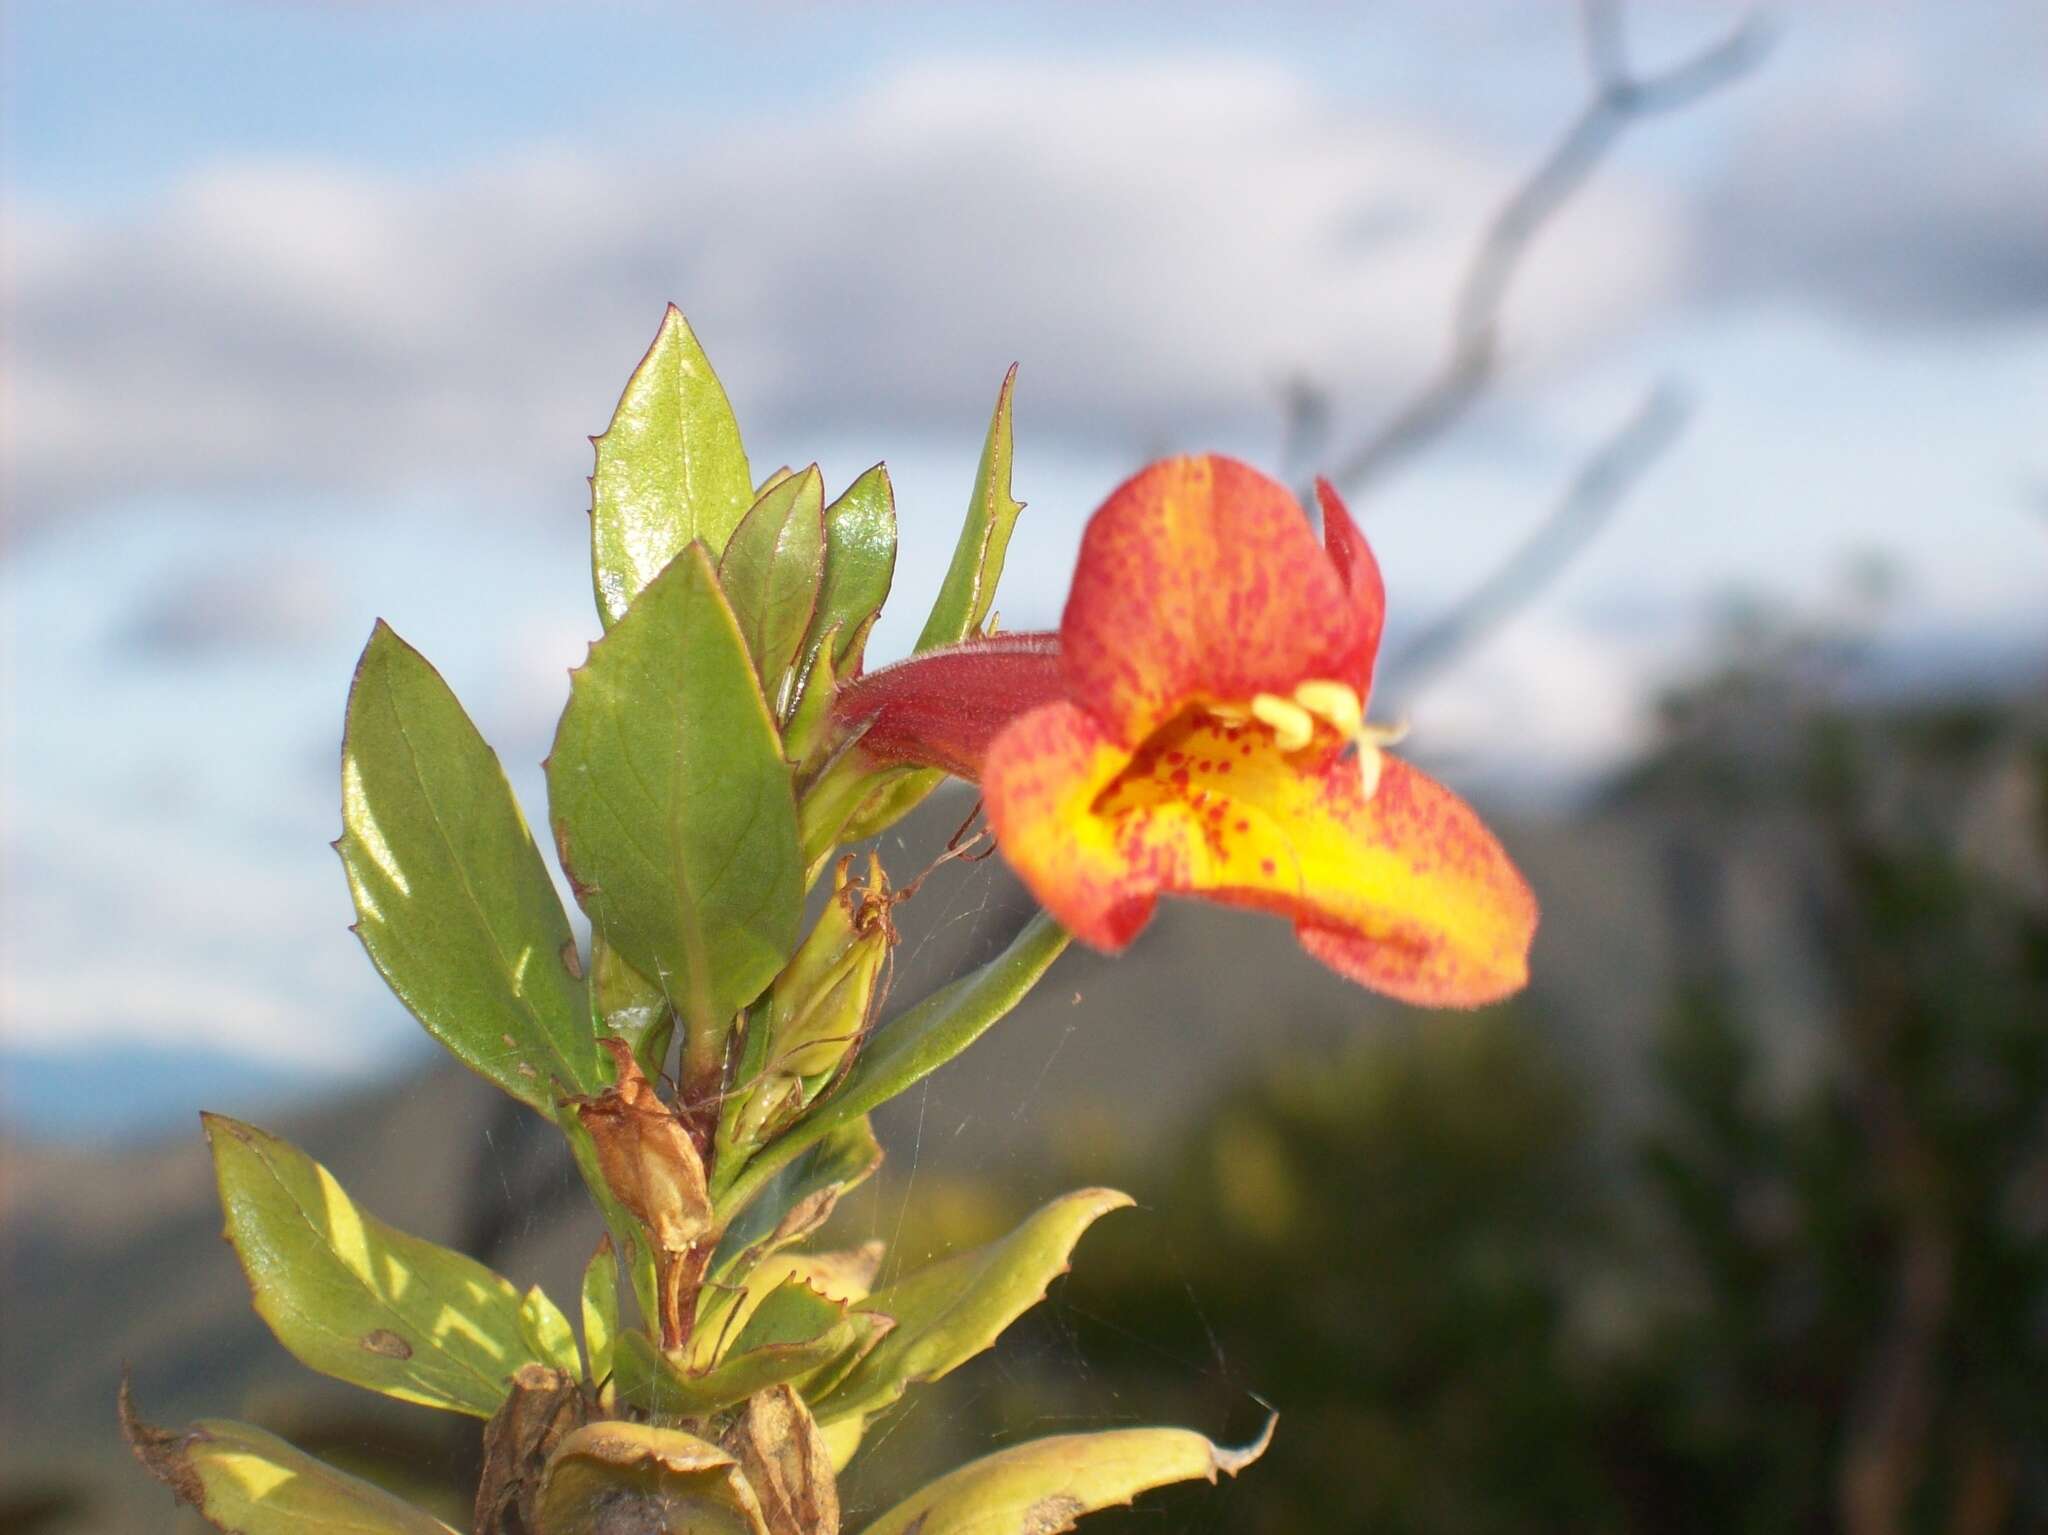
1332	701
1293	727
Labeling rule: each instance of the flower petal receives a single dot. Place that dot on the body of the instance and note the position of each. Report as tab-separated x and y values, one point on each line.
1040	779
942	708
1200	579
1407	892
1358	570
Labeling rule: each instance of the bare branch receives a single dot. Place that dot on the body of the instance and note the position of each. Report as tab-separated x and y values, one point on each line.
1618	99
1596	491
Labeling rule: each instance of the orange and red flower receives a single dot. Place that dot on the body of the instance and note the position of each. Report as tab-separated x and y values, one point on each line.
1197	727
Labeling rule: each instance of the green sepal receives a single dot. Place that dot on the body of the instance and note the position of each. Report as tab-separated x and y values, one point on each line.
670	470
903	1052
947	1312
245	1480
354	1299
969	590
771	571
1044	1485
453	902
672	805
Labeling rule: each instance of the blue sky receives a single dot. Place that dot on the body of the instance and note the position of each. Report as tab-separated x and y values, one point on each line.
310	306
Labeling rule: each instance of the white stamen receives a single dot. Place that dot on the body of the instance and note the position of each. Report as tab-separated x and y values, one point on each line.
1293	727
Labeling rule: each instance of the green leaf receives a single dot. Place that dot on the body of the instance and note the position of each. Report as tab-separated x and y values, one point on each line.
910	1048
251	1482
670	469
624	1002
547	1333
1042	1487
790	1334
452	900
672	804
947	1312
798	1199
609	1477
601	1310
770	573
352	1298
860	563
969	590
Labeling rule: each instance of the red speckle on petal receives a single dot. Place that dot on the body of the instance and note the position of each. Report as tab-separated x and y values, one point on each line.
1265	866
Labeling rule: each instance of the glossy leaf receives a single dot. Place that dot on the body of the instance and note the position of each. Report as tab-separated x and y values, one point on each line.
1043	1486
547	1333
969	590
860	563
672	804
611	1477
911	1047
670	470
352	1298
947	1312
244	1480
601	1310
771	571
452	900
797	1199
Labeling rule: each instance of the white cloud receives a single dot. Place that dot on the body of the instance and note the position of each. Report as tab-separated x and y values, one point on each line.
1159	245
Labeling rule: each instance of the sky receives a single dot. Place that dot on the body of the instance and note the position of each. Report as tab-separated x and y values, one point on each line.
309	309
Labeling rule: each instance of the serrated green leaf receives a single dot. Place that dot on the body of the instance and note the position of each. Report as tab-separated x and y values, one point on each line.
609	1477
452	900
771	571
860	564
797	1200
352	1298
244	1480
670	470
673	807
547	1333
1042	1487
601	1310
947	1312
790	1334
911	1047
969	590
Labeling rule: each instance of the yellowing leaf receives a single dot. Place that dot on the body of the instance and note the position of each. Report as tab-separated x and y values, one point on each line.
1044	1486
244	1480
949	1311
352	1298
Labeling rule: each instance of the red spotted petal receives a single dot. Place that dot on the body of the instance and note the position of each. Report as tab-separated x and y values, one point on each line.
1199	579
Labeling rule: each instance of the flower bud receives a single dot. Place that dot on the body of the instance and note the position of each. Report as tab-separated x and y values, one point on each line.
819	1007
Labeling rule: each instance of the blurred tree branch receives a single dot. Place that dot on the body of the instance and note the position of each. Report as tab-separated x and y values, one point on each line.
1618	99
1602	482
